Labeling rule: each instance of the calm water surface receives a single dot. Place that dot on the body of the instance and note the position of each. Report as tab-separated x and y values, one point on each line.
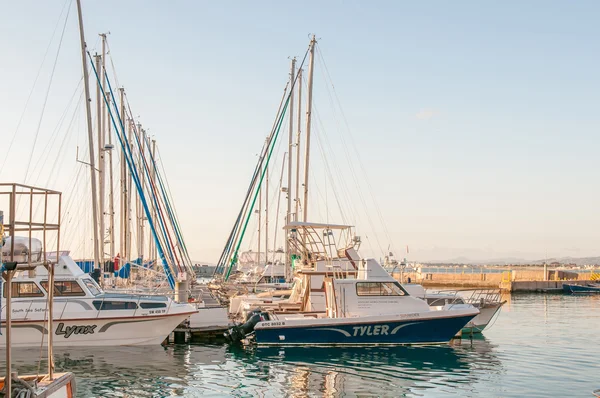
540	346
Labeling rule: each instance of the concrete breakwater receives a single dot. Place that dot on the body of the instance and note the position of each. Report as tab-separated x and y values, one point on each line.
513	280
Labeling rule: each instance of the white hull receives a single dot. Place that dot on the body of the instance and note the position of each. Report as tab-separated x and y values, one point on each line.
481	321
141	330
210	318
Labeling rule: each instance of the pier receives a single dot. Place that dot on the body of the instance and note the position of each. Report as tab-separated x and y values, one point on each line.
518	279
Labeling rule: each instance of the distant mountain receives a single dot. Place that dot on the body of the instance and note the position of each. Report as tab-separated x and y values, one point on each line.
571	260
517	261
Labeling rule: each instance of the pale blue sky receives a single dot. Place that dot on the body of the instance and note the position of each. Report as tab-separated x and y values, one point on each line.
477	122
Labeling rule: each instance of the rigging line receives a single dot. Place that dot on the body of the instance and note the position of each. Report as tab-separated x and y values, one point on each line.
58	155
162	238
46	152
37	76
169	207
114	70
133	172
260	182
360	194
234	232
277	212
169	195
378	209
343	182
322	136
227	254
154	196
329	176
62	35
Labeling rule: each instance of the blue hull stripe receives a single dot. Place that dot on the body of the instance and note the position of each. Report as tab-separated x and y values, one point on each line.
426	331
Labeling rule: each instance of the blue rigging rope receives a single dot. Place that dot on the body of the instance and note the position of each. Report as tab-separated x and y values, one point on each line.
129	158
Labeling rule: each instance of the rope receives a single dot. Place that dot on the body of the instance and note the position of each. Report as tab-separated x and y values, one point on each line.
47	94
132	170
12	140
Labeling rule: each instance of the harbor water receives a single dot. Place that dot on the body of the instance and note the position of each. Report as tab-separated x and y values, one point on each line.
539	346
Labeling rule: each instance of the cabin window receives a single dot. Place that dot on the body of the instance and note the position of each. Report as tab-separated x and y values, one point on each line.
153	305
65	288
379	289
92	286
24	289
270	279
114	305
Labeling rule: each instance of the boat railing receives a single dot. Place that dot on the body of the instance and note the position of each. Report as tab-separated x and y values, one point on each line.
476	296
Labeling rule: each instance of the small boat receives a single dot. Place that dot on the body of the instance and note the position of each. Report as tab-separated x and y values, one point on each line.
587	288
370	309
487	301
85	315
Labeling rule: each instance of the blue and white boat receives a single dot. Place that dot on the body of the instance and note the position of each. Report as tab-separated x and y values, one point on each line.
364	307
587	288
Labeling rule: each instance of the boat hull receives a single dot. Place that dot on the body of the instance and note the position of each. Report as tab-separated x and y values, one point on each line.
481	321
141	330
364	331
580	288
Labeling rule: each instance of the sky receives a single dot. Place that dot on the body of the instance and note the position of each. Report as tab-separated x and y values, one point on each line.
476	123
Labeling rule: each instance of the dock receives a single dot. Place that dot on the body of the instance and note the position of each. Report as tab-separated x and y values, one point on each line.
209	328
513	280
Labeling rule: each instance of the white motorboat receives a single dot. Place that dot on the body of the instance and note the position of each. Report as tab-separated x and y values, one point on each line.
84	315
371	308
487	301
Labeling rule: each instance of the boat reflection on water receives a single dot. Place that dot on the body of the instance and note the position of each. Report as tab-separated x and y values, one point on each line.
130	371
361	371
219	370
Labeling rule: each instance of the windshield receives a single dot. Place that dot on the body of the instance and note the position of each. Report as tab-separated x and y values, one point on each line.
92	287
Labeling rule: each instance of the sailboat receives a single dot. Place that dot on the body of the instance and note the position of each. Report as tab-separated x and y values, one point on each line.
339	297
85	315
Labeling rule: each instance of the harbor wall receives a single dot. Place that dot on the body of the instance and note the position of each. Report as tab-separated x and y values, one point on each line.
514	280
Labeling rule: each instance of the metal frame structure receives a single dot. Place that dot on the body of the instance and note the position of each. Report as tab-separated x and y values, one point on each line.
34	196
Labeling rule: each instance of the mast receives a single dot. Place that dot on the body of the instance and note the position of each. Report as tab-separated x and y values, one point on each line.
123	213
111	197
140	214
99	101
88	110
289	178
299	122
259	220
152	245
308	124
128	198
267	215
108	149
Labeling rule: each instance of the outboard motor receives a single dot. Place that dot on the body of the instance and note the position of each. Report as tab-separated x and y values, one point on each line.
96	274
238	332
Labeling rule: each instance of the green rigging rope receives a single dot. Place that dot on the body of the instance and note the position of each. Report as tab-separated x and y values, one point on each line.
272	144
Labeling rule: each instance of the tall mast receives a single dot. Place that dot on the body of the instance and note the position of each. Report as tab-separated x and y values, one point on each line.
267	215
123	213
308	123
140	213
299	122
129	194
289	179
259	220
152	245
111	195
107	133
99	99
